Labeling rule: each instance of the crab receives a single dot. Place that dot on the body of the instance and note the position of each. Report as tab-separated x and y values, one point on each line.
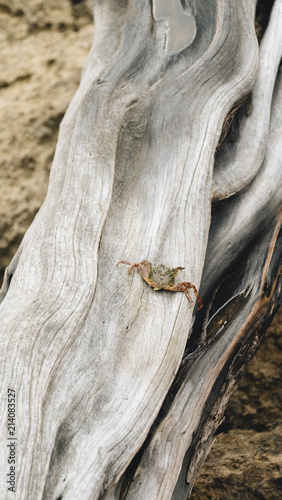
162	277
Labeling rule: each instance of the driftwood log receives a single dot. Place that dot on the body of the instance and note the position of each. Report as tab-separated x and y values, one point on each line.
170	151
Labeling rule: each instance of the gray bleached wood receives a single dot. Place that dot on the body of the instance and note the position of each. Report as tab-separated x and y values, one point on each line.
254	209
91	352
238	163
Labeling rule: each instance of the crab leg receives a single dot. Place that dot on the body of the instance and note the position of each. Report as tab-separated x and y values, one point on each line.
144	268
175	271
184	287
132	266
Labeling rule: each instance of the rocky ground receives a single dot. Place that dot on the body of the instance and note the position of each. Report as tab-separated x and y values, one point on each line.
245	463
43	48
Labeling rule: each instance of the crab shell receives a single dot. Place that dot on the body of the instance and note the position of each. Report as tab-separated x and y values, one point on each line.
161	276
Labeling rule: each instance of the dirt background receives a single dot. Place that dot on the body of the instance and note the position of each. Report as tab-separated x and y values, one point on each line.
43	48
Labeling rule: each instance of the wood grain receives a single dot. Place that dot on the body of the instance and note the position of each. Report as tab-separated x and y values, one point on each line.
92	352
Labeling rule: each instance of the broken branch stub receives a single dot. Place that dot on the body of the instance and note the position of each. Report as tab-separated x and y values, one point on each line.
114	380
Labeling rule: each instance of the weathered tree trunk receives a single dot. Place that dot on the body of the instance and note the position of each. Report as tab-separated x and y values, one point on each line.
119	388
